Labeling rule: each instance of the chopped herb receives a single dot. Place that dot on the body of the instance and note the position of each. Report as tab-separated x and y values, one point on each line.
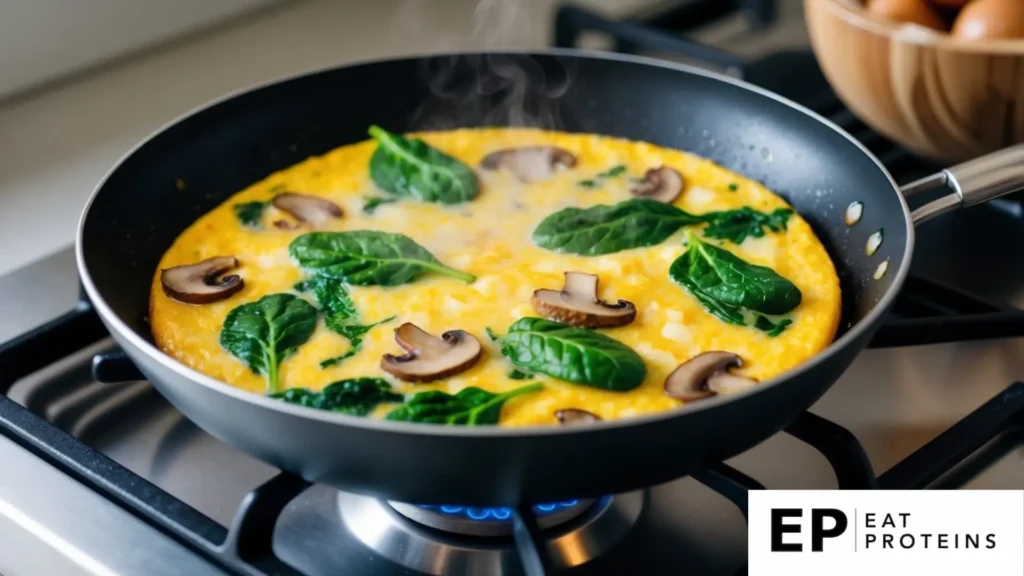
250	213
519	375
492	335
374	202
587	183
613	171
734	187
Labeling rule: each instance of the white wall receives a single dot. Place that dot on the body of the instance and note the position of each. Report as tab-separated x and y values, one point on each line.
43	39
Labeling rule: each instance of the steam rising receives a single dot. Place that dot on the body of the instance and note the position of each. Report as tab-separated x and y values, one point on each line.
491	88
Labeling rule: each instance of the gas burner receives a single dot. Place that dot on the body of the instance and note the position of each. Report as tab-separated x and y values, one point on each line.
468	540
481	521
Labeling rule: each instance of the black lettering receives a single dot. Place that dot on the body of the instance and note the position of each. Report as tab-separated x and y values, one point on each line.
943	538
888	522
779	528
886	540
991	538
818	531
925	537
903	541
904	515
868	539
956	541
973	540
869	520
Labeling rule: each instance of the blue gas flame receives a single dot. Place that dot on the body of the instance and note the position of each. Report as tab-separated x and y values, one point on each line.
498	513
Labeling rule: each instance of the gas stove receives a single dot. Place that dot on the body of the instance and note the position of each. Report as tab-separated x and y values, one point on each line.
110	479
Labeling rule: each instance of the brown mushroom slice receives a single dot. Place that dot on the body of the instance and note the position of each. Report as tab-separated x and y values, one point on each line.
199	284
725	382
530	164
663	184
691	380
575	416
305	208
577	304
428	357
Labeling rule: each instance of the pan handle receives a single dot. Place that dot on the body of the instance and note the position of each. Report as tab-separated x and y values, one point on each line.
973	182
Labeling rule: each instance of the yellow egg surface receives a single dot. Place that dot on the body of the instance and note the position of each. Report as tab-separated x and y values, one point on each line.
490	237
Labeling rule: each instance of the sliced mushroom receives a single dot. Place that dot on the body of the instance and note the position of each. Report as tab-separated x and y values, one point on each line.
305	208
663	184
428	357
574	416
577	304
705	375
199	284
530	164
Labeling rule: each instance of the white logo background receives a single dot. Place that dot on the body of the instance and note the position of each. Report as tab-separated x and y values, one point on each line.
954	513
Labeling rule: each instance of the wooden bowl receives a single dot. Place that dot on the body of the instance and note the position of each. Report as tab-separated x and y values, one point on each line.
939	96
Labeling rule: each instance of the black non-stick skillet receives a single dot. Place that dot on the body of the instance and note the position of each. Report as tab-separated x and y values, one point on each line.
197	162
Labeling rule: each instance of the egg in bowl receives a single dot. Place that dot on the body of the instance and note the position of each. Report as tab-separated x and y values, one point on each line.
497	276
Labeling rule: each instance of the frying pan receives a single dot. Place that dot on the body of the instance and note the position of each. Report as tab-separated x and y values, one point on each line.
195	163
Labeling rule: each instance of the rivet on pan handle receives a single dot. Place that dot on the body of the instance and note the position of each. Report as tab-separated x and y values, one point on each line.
973	182
113	367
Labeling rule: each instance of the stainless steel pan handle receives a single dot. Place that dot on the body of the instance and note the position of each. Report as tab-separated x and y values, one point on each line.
972	182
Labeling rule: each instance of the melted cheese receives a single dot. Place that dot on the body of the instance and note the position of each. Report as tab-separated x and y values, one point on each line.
490	238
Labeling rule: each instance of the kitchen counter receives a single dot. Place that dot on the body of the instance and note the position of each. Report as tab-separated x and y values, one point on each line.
58	142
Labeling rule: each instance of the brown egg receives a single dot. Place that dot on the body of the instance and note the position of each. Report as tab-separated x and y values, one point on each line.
990	19
916	11
951	3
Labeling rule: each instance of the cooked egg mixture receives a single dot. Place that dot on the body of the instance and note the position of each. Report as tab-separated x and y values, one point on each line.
490	237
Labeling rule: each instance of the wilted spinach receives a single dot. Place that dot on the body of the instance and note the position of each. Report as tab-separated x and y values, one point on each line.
263	333
519	375
355	396
340	315
354	333
469	407
367	257
250	213
573	354
736	225
641	222
410	167
604	229
734	290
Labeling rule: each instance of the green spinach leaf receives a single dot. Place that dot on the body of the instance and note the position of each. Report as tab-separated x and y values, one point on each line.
366	257
355	396
410	167
373	202
732	289
573	354
737	225
604	229
469	407
519	375
250	213
263	333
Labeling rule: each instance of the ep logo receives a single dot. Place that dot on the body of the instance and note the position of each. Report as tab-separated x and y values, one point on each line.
824	523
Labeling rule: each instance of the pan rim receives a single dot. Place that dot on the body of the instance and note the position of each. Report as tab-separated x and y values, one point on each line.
155	354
